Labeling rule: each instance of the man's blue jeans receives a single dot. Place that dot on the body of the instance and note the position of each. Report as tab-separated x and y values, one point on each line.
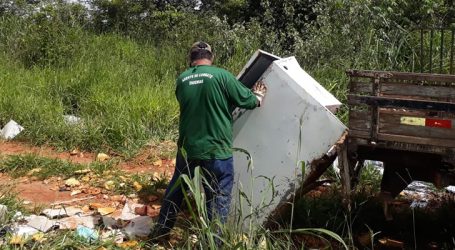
219	174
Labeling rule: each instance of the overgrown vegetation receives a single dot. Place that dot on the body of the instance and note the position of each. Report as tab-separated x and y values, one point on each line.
114	63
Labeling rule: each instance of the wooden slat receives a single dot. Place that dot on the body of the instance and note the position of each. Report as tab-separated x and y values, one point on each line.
417	113
441	78
391	124
359	134
386	102
440	93
417	140
360	120
360	87
403	146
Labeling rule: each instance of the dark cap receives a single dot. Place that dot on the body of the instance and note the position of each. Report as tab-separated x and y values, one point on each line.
201	46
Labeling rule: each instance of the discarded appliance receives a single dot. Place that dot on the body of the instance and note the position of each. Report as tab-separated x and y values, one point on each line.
284	137
11	130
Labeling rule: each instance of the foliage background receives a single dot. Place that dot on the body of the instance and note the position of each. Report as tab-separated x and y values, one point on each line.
113	62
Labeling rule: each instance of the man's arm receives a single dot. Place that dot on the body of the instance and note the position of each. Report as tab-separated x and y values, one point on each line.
241	96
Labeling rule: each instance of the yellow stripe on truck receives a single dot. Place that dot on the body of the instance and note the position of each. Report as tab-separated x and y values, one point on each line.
414	121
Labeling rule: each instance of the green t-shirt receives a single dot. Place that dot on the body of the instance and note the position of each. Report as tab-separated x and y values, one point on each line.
207	96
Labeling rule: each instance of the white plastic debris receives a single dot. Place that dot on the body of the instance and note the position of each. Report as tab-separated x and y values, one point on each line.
18	216
23	231
71	120
74	221
109	222
41	223
11	130
3	211
139	227
450	189
61	212
128	211
115	235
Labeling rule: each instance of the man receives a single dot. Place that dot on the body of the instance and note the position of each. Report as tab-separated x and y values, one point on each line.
207	96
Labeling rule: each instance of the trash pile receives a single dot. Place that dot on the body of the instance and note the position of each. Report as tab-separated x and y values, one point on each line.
92	222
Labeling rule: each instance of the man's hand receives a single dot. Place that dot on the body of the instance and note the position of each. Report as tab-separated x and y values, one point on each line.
259	89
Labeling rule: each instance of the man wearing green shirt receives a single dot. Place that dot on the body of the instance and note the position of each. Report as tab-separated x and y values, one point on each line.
207	95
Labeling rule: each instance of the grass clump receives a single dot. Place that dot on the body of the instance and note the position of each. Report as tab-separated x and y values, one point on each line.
43	167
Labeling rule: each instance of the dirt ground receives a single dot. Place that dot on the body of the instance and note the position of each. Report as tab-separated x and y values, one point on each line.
44	193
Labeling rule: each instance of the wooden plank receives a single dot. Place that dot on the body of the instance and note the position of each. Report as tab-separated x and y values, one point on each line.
391	124
438	78
360	87
418	113
360	142
360	120
386	102
417	140
359	134
440	93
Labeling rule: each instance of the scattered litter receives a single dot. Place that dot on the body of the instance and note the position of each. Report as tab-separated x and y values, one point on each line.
11	130
450	189
33	171
419	203
75	192
18	216
3	211
119	198
39	237
391	243
75	151
139	227
128	244
72	182
61	212
83	171
109	222
137	186
23	231
72	201
77	220
26	202
115	235
71	120
106	210
158	163
109	185
17	240
87	233
129	211
41	223
102	157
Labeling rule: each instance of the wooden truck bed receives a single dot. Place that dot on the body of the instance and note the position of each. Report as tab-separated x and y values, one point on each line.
407	121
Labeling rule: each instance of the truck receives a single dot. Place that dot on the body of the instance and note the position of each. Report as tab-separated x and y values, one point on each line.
404	120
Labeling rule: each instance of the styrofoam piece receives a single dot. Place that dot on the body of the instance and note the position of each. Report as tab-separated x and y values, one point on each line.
128	211
61	212
23	231
74	221
11	130
292	126
3	211
71	119
42	223
139	227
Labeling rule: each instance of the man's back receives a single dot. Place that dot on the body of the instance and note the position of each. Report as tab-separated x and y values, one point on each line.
206	95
